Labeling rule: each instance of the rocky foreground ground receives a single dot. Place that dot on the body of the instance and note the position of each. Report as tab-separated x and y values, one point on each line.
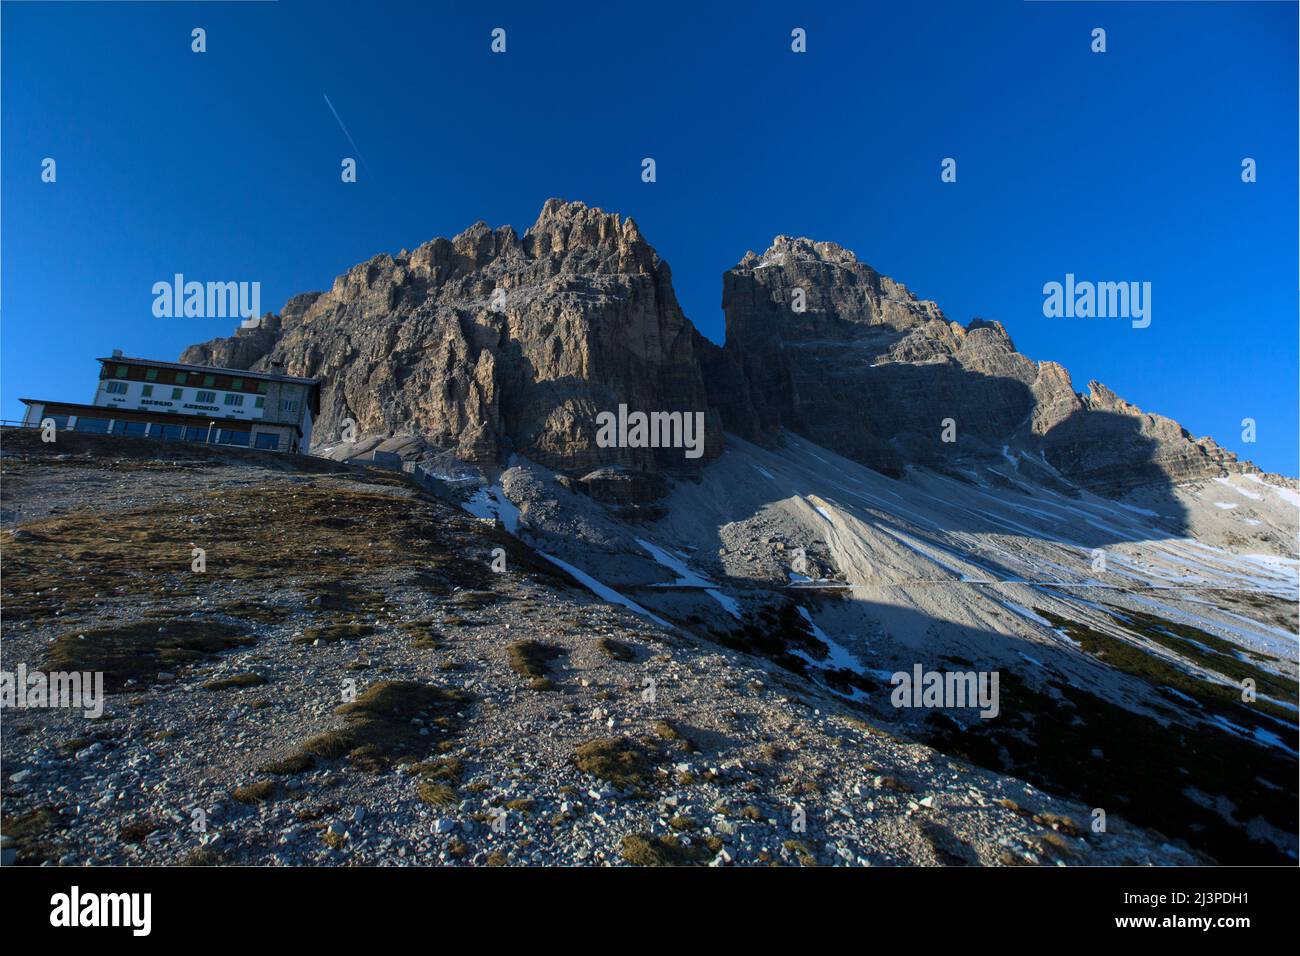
349	682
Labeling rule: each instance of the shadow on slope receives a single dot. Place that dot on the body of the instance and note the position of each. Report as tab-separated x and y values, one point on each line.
1169	765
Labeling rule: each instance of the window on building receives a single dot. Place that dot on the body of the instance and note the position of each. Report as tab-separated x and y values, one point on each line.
234	399
288	405
121	371
151	375
168	432
261	387
205	397
236	383
268	442
260	403
116	388
177	392
181	377
228	436
196	433
96	426
146	390
209	380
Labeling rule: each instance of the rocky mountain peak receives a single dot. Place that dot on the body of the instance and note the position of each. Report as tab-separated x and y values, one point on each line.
585	238
869	369
491	343
801	248
833	283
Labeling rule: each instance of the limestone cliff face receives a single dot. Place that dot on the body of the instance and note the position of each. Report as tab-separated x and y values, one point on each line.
492	343
1111	445
871	371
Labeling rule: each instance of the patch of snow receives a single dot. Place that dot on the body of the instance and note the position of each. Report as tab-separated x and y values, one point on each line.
689	579
1273	561
1286	493
839	656
1027	613
686	578
1245	620
604	592
729	604
1250	638
491	502
1179	693
1271	739
1259	735
1225	505
1241	491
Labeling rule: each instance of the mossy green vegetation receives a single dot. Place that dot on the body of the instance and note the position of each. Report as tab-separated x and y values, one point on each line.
436	794
138	652
801	852
616	650
382	727
297	762
1211	652
1183	640
424	635
235	681
258	792
332	633
137	830
1154	773
141	556
643	849
617	760
203	856
533	659
33	834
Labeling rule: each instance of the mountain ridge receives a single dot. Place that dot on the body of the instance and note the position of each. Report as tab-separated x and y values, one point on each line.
492	343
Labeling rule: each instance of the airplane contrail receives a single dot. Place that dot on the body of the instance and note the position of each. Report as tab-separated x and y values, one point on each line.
339	120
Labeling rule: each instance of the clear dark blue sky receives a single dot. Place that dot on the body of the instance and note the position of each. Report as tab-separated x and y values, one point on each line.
225	165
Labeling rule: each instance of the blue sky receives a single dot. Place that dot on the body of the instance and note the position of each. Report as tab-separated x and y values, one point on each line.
1116	166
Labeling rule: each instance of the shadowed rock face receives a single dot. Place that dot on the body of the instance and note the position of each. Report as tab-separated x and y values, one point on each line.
1110	445
491	343
873	372
867	368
